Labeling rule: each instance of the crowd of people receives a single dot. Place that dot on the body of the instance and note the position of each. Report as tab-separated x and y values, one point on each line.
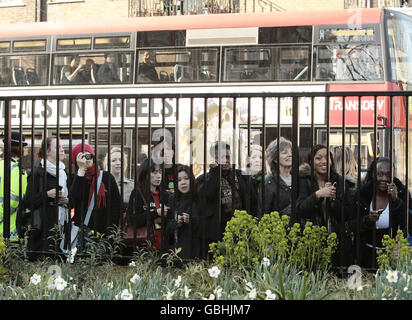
188	212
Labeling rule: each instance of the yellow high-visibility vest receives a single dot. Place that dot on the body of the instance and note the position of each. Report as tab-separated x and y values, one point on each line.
14	195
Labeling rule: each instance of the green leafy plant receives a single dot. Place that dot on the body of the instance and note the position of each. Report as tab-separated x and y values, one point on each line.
395	250
247	240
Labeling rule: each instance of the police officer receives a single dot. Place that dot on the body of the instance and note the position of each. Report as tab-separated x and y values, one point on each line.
14	183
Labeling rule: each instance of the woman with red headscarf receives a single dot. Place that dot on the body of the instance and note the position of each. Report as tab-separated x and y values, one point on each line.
96	189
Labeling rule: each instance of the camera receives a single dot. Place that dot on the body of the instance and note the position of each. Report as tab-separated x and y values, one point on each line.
88	156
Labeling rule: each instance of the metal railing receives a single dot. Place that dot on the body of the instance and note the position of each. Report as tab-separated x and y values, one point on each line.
195	121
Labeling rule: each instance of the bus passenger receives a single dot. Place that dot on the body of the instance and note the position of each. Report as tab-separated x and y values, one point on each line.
383	216
183	222
82	191
146	69
6	77
108	71
74	73
279	202
320	201
146	202
42	237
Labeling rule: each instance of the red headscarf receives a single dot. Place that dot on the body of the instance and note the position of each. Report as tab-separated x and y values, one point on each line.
101	193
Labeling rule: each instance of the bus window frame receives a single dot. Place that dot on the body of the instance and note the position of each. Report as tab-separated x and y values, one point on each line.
377	41
270	47
86	54
186	49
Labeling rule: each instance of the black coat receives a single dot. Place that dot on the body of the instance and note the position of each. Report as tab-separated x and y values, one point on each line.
185	235
213	224
34	198
272	197
103	218
340	212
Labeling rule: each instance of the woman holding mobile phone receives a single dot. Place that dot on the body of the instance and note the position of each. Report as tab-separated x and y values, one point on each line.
51	194
382	207
321	198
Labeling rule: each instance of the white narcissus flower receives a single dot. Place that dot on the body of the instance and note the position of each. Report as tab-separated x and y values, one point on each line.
59	283
214	272
169	295
110	285
132	264
135	278
252	294
265	262
35	279
124	295
392	276
187	291
270	295
218	292
178	281
211	297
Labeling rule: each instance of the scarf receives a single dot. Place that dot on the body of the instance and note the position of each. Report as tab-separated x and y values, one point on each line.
52	169
101	193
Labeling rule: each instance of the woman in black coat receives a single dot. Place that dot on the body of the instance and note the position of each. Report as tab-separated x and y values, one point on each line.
146	203
183	222
47	190
321	199
382	208
84	186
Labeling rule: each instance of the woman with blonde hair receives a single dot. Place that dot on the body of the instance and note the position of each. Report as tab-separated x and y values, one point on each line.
351	166
278	193
115	169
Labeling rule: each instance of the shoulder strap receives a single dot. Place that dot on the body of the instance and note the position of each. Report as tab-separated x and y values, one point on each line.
90	209
141	194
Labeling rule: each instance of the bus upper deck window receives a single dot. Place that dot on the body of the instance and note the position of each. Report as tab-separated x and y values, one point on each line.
5	47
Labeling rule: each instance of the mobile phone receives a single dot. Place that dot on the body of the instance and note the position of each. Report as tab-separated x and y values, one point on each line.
59	188
379	211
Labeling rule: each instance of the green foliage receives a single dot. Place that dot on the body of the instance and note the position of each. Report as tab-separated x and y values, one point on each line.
396	249
247	240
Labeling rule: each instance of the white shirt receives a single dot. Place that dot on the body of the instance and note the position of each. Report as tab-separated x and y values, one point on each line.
383	221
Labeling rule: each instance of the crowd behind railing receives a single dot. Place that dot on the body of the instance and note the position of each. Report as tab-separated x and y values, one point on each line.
179	210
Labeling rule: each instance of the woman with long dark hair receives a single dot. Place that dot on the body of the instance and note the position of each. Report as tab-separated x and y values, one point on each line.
382	205
47	190
146	202
321	198
183	222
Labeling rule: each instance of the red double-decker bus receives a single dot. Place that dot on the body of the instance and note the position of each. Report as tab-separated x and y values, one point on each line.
317	51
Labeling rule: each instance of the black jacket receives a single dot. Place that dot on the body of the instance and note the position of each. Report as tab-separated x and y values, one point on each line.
340	212
397	219
103	218
185	235
34	198
215	225
137	207
272	197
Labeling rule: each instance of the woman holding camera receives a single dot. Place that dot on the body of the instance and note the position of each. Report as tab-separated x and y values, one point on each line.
47	190
93	190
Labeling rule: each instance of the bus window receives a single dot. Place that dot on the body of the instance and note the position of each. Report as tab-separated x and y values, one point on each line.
91	68
177	65
280	63
23	70
349	62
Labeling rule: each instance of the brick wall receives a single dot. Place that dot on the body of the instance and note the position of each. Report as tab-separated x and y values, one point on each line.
87	10
19	11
